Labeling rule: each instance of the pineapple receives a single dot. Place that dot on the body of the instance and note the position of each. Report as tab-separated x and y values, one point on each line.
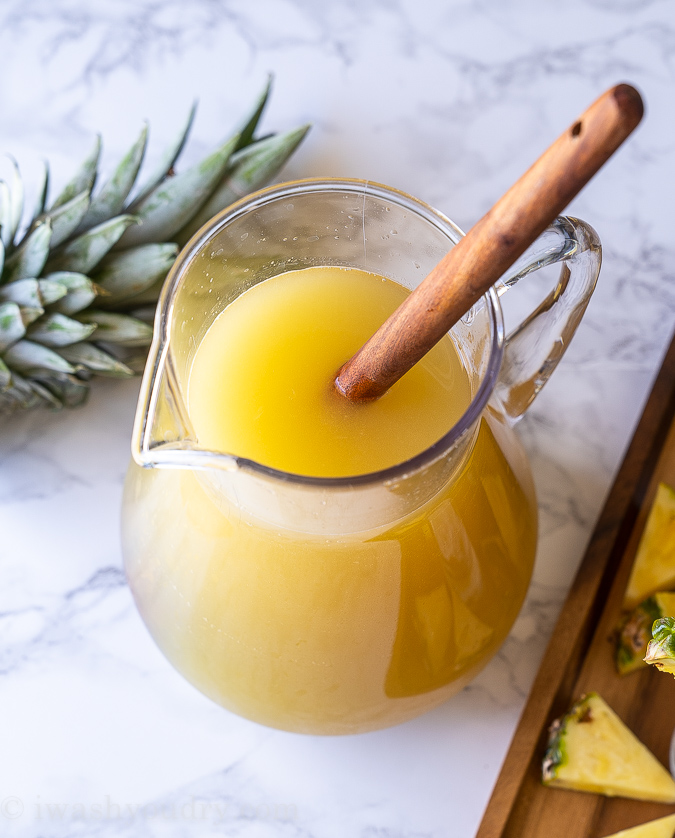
590	749
654	566
661	649
661	828
635	631
78	287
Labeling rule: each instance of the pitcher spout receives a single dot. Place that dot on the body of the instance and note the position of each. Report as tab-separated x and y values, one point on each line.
163	436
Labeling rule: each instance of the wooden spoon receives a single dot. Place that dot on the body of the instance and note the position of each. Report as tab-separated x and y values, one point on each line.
474	264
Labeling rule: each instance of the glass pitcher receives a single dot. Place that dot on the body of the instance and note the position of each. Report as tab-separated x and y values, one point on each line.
339	605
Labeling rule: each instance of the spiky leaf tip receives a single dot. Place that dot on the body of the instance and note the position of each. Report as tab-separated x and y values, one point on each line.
112	196
11	205
163	211
166	162
65	219
250	169
84	178
77	297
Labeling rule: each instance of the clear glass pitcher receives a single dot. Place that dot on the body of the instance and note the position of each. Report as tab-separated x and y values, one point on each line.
338	605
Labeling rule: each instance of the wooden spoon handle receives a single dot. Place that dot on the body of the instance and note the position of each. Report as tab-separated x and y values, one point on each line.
474	264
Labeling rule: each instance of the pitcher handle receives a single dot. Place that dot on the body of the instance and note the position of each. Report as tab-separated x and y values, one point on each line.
532	350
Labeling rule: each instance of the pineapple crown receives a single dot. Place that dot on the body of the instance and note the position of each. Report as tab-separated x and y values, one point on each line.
78	287
662	645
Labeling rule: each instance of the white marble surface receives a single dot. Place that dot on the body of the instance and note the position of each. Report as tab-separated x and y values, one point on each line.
449	101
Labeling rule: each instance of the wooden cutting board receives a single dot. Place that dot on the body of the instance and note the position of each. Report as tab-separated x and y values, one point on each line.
579	657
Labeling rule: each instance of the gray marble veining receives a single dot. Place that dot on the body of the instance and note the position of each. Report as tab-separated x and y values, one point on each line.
449	101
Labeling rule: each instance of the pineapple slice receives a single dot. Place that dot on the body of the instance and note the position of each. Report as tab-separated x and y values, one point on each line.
654	566
661	828
635	631
590	749
661	649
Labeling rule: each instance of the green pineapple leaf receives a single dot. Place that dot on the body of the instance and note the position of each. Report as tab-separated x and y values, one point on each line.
663	631
45	393
126	273
51	289
11	205
29	259
661	648
61	390
19	393
250	169
29	357
5	376
24	292
166	162
163	211
79	284
5	214
86	356
118	328
110	200
84	178
56	330
40	201
248	128
79	291
66	218
30	315
85	252
12	326
42	192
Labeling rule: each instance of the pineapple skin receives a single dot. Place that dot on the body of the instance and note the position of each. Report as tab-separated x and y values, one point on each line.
635	631
591	750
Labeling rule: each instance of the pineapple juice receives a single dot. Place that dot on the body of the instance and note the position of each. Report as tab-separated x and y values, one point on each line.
294	629
281	409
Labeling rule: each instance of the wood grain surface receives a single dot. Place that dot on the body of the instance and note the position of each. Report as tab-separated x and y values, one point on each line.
579	656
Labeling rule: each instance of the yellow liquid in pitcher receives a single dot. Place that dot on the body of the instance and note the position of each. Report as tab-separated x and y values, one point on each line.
279	407
328	633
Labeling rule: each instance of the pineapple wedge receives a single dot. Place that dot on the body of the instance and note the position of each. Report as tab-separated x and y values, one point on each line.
591	749
661	828
654	566
635	631
661	649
